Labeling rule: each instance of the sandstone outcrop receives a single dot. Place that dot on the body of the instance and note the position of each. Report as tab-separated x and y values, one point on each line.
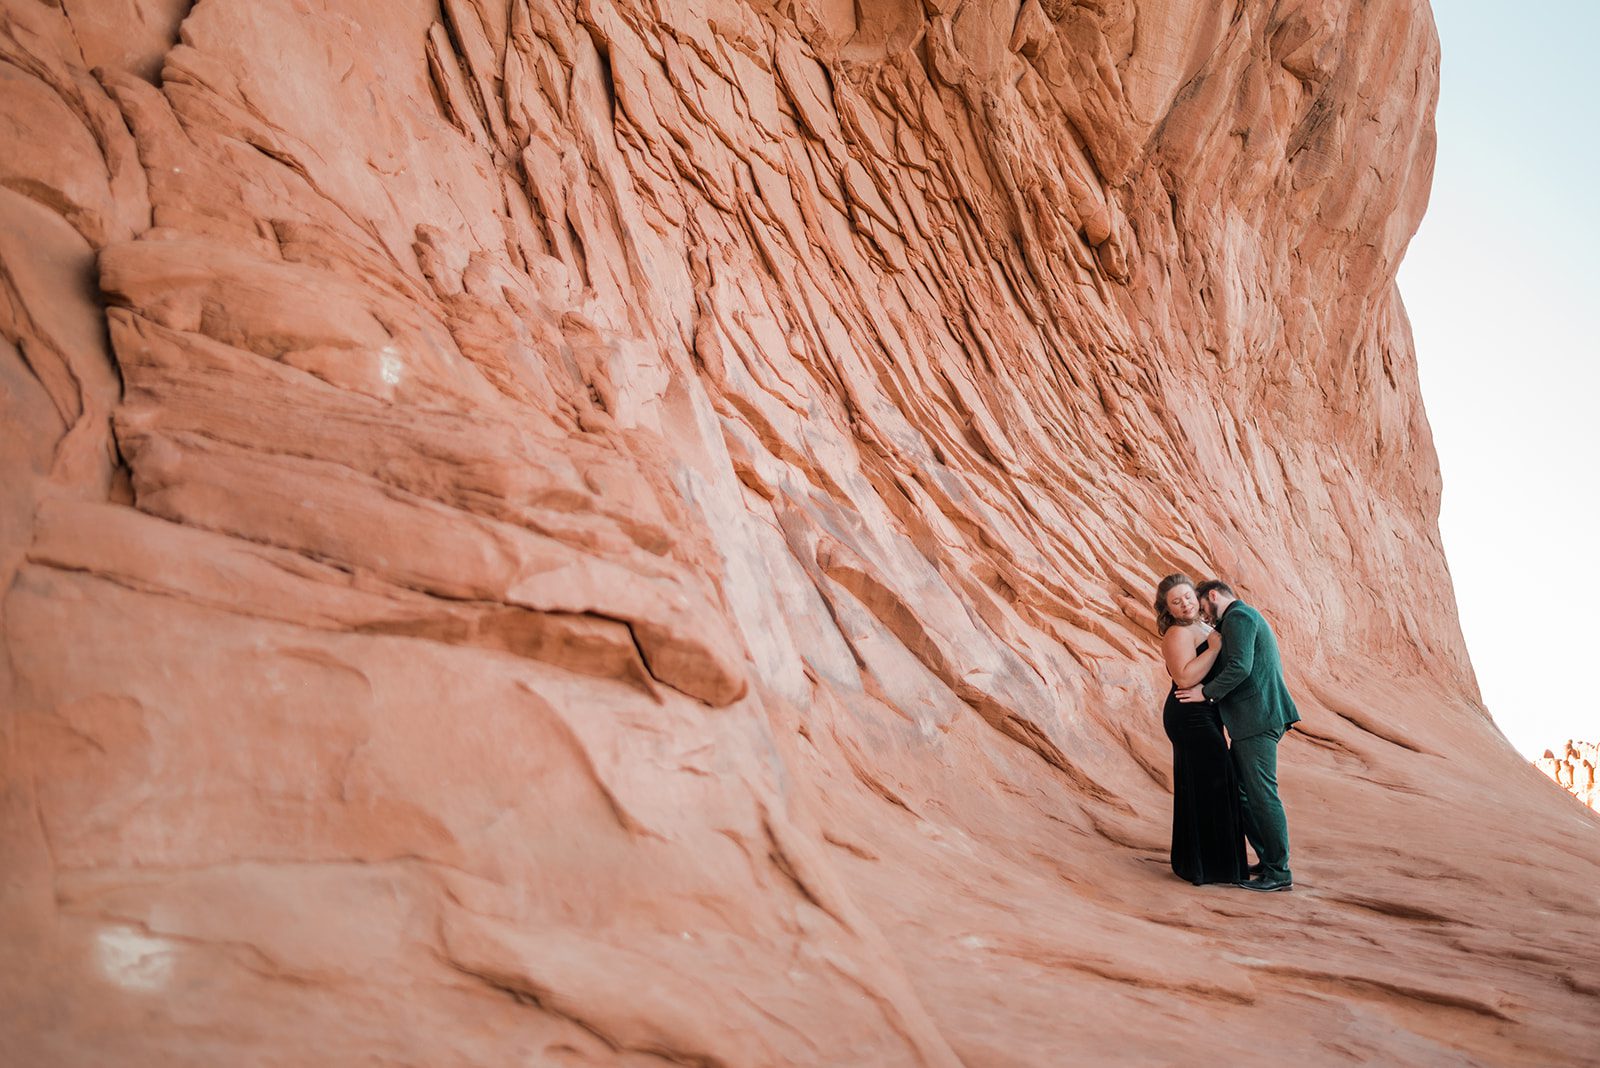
1573	769
602	532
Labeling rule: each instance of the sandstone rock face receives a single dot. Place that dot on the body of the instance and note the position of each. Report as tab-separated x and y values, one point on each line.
1573	769
604	532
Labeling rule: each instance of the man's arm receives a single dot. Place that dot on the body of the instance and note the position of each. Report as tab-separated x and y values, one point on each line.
1239	656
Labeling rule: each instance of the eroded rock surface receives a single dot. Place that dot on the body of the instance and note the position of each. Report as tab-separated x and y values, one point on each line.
1573	769
601	532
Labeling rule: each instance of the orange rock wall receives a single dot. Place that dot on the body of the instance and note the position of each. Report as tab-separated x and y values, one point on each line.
601	532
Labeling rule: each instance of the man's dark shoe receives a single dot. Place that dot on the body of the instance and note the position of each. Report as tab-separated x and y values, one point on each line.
1267	884
1256	870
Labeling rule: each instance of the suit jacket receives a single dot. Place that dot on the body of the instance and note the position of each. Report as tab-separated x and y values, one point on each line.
1248	686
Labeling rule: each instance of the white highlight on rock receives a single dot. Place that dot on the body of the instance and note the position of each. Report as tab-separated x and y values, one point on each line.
134	960
390	365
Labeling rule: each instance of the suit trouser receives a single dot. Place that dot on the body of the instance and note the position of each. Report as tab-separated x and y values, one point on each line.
1255	761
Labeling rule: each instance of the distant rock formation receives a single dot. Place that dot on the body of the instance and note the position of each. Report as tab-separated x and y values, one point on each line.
621	532
1573	769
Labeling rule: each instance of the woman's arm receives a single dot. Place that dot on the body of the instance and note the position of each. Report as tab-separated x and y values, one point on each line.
1183	664
1195	671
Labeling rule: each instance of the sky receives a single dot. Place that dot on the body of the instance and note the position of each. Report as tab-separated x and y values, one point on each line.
1502	283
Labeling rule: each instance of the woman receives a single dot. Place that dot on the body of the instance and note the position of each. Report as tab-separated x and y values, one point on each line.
1207	823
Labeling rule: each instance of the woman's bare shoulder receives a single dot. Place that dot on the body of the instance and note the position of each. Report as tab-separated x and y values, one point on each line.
1184	636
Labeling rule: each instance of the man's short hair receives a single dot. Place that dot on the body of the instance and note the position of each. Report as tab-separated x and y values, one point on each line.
1217	585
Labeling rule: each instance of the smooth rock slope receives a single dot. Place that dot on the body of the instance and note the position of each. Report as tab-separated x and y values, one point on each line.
617	532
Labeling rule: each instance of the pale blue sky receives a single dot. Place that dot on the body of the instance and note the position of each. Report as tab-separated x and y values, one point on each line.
1501	284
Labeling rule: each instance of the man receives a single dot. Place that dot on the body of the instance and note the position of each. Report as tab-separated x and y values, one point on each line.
1256	708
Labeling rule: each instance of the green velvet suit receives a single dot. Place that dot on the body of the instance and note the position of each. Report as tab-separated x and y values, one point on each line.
1248	688
1249	691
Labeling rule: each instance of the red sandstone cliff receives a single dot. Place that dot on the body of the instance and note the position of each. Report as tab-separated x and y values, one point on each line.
601	532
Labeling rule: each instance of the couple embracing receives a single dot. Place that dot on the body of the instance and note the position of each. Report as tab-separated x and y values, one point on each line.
1226	672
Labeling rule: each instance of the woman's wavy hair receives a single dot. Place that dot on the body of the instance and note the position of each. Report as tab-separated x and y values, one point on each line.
1164	618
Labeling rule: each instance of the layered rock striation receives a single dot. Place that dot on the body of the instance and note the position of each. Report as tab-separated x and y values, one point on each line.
598	532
